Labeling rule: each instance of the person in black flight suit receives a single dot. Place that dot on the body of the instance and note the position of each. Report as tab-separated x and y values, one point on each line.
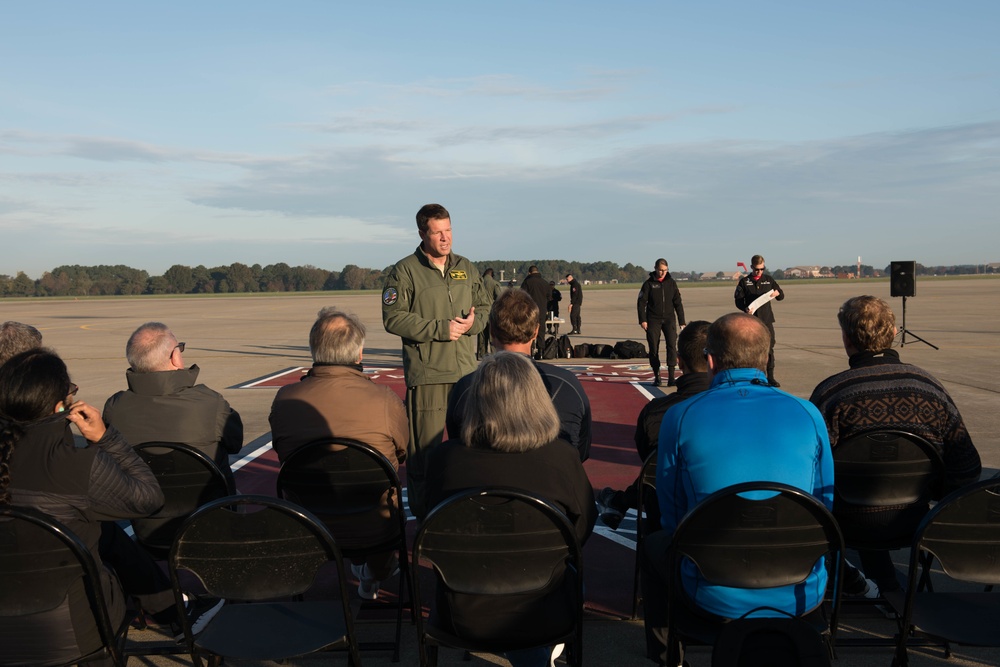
659	301
750	288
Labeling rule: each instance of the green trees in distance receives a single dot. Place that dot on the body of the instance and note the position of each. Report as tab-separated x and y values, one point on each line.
102	280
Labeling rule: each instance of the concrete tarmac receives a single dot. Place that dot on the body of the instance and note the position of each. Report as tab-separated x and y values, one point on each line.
235	339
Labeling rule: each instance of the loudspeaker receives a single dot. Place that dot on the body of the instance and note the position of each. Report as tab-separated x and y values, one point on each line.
904	279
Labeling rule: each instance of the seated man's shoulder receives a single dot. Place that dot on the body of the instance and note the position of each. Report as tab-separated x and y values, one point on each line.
559	374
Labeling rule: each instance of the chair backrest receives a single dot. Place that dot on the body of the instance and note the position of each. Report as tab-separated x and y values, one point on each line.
757	535
963	533
885	469
189	478
491	543
46	576
347	484
249	548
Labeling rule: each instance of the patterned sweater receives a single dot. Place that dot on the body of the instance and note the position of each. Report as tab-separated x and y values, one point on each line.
880	392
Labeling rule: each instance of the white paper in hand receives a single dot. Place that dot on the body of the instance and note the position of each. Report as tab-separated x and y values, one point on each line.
760	301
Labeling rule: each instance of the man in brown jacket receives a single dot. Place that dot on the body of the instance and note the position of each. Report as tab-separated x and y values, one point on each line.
336	399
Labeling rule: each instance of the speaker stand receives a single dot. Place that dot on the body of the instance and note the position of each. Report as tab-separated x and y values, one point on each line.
903	331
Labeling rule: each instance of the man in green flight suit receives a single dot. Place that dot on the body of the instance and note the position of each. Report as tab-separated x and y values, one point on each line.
435	301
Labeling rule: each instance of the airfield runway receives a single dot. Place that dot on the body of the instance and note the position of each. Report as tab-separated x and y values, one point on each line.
236	340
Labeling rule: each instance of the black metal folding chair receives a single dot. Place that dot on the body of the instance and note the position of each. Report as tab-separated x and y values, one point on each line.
53	609
963	533
347	484
261	554
755	535
508	570
646	485
189	478
892	474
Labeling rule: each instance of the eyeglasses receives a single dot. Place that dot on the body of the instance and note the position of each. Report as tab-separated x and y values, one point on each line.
71	394
758	268
179	346
705	352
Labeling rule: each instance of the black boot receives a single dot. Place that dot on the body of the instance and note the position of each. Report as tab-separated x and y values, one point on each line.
671	382
656	379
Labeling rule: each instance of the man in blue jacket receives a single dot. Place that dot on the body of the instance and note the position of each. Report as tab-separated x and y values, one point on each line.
741	429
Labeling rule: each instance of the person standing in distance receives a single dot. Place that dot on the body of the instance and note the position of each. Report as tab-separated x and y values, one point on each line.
539	291
757	284
575	303
434	300
659	301
493	289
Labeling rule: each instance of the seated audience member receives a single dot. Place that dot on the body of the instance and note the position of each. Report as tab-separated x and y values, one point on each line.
513	325
694	379
509	437
16	338
739	430
880	392
163	403
85	488
336	399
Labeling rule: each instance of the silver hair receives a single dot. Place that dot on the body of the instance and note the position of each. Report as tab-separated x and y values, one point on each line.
508	408
149	347
336	337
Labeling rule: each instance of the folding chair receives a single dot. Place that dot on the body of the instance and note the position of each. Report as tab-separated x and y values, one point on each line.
513	561
755	535
645	482
963	533
347	484
256	550
895	474
189	478
53	609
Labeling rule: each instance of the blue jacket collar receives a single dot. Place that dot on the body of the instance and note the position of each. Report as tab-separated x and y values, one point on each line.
734	375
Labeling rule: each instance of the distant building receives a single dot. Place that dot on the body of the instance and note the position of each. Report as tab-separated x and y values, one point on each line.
802	272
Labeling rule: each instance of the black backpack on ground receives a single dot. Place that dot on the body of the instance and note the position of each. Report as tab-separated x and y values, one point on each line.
630	349
581	350
550	348
601	351
564	348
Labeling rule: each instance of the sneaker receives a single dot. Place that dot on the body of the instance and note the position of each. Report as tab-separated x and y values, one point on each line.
856	584
200	610
556	652
368	586
610	515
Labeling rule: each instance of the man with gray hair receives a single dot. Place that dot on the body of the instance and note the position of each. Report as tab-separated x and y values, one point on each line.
163	403
16	337
336	399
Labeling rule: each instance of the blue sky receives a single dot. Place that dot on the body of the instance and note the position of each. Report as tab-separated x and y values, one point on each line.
151	134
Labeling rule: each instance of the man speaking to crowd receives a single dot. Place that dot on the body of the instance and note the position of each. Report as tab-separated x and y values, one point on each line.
435	301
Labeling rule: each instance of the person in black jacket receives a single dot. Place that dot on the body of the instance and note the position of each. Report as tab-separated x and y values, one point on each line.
659	302
751	287
575	302
614	504
539	291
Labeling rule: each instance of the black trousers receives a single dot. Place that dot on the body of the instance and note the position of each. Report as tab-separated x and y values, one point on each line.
574	317
140	576
770	354
669	329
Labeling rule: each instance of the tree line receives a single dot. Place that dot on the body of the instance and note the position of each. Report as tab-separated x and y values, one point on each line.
107	280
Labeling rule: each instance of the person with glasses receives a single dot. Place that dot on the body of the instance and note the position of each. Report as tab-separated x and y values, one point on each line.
163	403
759	283
87	487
